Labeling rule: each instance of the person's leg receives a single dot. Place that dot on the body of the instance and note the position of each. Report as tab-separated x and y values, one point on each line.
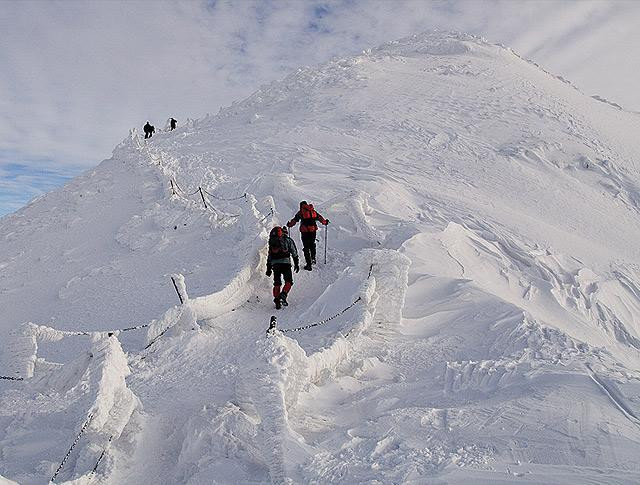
307	238
276	284
313	248
288	283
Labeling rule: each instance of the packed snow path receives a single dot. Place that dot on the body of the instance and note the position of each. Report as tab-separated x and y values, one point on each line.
483	215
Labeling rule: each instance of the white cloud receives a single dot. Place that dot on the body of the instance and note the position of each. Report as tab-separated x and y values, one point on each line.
77	75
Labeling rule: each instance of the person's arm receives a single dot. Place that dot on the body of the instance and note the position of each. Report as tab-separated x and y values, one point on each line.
293	250
295	220
268	273
321	219
294	254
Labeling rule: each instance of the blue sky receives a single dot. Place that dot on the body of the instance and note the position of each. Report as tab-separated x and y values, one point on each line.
76	76
24	180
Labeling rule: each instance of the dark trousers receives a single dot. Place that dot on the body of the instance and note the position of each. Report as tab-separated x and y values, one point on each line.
147	134
309	246
281	271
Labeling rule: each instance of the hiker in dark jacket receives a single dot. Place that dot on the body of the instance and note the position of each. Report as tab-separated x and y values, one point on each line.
149	130
307	216
173	123
281	250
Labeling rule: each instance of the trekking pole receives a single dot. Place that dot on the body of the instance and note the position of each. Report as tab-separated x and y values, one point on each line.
326	231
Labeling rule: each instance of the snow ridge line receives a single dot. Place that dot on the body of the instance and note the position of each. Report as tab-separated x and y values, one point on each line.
605	388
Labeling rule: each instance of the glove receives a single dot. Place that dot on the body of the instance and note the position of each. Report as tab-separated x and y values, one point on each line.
326	222
296	265
268	273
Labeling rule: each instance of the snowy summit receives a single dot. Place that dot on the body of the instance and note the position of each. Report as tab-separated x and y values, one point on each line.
477	319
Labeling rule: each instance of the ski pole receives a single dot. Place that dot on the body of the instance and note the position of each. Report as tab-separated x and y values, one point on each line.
326	230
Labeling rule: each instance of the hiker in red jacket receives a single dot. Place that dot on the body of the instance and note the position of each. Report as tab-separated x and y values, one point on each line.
307	216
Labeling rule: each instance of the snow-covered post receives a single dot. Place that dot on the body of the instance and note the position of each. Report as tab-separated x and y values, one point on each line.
272	325
273	388
180	286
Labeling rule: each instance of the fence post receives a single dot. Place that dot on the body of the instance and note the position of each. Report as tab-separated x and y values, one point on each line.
175	285
272	325
203	199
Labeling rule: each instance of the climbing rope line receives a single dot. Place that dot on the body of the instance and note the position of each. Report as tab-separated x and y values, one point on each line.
9	378
75	442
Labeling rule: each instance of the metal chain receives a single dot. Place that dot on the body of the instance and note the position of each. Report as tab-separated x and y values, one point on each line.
135	328
95	467
269	214
75	442
243	196
326	320
175	183
322	322
9	378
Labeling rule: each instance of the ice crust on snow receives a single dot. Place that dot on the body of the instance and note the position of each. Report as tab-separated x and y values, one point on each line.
480	302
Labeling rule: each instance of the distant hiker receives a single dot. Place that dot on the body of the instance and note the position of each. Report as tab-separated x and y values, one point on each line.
173	123
149	130
308	216
281	249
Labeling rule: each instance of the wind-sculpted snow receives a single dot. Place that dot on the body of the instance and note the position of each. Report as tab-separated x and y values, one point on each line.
476	320
559	290
87	395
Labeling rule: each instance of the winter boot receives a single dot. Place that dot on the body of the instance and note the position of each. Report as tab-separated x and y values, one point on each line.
283	298
308	266
277	302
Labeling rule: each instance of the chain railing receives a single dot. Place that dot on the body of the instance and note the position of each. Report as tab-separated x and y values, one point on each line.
273	322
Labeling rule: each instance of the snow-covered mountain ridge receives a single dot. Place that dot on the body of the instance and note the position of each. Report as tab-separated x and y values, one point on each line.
483	218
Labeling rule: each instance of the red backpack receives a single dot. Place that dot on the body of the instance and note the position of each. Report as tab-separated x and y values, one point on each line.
308	213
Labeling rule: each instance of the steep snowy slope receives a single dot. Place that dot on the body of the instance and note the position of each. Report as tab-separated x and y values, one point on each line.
482	272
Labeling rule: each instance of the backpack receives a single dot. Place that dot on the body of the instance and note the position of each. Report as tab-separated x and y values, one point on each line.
308	213
278	247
